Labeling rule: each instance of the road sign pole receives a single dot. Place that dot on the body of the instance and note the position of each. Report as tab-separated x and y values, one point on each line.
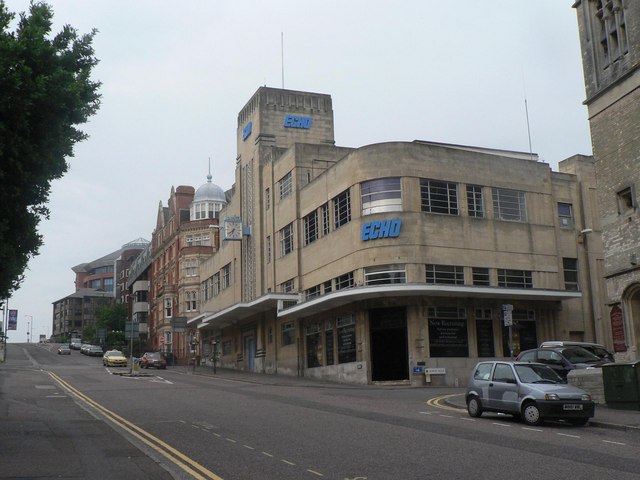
131	348
511	341
507	312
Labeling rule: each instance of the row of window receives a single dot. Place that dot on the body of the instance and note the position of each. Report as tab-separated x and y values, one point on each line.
105	284
204	210
219	281
444	275
334	340
338	283
198	239
331	341
385	195
190	303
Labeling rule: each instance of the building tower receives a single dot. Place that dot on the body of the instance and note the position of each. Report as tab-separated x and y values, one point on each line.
268	124
610	41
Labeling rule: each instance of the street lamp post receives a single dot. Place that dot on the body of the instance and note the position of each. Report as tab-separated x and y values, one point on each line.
29	327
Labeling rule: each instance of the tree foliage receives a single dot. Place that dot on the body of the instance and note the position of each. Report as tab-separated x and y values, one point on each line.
45	92
112	318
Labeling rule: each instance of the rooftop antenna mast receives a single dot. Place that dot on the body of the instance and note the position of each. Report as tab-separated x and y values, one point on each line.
282	56
526	111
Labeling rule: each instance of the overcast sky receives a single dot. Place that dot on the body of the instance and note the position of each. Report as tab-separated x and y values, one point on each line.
176	74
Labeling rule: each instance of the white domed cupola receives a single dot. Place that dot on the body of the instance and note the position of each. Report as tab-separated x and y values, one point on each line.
208	201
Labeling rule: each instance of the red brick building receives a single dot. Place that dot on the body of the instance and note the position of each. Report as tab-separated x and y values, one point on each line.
184	236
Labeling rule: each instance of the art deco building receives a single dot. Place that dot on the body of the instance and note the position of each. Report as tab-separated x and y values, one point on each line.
384	262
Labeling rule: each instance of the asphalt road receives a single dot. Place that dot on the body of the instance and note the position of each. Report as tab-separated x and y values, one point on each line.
69	417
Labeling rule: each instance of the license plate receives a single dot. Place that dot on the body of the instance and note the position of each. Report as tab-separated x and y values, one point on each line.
571	406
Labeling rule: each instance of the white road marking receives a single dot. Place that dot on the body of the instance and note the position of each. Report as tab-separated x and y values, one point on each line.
567	435
615	443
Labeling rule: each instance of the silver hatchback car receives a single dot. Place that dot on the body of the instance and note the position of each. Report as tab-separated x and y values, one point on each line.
531	391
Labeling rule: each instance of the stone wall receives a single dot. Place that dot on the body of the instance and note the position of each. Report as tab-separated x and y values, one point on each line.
590	380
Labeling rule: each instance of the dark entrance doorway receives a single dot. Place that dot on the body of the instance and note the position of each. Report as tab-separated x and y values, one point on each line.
389	353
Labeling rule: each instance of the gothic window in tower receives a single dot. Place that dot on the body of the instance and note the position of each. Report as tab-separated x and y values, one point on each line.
613	31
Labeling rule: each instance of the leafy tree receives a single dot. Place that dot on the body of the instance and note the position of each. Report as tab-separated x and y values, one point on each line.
112	318
45	91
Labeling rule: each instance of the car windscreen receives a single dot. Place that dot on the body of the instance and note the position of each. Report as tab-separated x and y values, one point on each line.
153	356
579	355
537	374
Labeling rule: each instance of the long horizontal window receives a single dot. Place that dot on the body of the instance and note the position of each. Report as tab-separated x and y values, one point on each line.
385	274
515	278
445	274
381	195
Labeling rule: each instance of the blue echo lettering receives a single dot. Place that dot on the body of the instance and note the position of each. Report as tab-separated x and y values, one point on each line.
246	131
295	121
384	229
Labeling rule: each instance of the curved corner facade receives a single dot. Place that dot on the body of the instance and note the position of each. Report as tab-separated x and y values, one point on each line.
400	262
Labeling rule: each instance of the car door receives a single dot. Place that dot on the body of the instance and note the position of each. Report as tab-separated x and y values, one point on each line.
503	389
554	360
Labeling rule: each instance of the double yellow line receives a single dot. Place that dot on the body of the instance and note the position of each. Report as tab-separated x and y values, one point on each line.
174	456
440	402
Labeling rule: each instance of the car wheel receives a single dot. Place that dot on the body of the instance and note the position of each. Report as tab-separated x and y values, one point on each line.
474	407
531	414
578	422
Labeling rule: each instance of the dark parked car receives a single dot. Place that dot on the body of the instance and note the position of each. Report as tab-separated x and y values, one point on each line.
595	348
95	351
531	391
562	359
153	359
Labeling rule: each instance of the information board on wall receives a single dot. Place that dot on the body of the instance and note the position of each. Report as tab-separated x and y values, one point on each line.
448	338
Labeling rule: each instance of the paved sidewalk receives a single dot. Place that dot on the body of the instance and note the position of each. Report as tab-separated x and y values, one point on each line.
606	417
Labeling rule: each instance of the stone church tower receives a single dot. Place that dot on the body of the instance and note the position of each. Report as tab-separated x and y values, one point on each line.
610	42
